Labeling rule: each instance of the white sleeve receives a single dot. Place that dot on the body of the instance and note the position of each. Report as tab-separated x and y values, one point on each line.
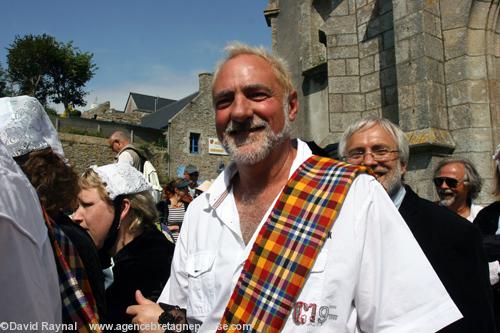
125	157
494	272
30	289
397	291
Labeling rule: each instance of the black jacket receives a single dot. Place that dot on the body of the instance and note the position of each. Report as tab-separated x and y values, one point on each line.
90	259
487	222
453	247
143	264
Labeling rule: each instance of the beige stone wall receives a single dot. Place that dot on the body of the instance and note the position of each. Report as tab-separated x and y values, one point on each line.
430	66
197	117
84	151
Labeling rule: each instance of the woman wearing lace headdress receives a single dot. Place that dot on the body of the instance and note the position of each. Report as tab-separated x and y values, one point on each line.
117	209
488	221
31	139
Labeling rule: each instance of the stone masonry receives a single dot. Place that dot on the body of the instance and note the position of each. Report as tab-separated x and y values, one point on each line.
196	117
430	66
83	151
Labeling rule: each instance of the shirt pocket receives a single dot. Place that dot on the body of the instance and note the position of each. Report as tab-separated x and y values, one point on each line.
201	281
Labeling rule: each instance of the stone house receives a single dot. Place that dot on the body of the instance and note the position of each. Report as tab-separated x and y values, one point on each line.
190	133
136	107
430	66
145	103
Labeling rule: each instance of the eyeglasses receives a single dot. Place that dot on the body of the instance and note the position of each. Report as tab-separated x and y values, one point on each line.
379	154
450	182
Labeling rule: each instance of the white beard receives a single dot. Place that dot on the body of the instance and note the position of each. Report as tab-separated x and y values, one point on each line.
252	149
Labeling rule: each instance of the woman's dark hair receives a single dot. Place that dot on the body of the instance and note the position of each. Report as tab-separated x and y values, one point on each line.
55	182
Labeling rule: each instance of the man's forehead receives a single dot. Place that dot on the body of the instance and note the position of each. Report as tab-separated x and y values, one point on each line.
244	65
454	167
374	133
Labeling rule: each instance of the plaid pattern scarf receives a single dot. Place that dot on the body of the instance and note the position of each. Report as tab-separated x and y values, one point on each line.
78	303
287	246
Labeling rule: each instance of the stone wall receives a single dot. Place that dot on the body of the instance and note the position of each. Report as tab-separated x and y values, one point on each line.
83	151
430	66
196	117
104	112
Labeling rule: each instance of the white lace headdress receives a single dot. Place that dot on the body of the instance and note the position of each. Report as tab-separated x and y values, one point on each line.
26	127
121	178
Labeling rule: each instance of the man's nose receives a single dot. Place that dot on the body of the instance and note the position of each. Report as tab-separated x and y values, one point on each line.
444	185
242	109
368	159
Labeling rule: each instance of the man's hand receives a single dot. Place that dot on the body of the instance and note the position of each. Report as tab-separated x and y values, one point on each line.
145	312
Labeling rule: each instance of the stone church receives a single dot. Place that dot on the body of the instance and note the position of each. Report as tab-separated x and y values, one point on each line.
430	66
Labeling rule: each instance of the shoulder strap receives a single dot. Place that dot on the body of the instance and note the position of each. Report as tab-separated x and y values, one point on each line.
139	153
287	246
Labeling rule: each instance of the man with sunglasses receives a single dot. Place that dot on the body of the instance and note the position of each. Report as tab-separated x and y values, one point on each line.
450	243
457	184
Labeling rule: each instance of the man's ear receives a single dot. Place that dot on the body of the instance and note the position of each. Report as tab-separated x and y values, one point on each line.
403	168
293	104
125	209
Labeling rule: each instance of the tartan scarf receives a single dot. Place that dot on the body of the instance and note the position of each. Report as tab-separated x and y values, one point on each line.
78	303
287	246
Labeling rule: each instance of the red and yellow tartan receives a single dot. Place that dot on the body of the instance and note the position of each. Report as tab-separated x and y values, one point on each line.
287	246
77	299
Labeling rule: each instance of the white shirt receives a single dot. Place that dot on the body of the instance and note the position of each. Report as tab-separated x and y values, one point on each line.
371	276
125	157
474	210
29	287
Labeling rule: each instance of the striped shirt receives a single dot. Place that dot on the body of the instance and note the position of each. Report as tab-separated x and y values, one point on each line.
175	217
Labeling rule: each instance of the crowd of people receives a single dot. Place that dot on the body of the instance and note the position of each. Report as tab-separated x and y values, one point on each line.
283	239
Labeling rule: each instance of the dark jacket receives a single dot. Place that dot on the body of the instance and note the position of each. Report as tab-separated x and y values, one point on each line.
487	219
453	247
487	222
143	264
90	259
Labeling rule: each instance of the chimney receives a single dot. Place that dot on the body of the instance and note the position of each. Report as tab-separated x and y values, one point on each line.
205	82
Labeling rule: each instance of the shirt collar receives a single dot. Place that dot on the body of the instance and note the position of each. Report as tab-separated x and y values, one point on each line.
222	184
397	198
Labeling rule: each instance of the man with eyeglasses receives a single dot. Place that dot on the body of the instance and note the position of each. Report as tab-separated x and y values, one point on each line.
450	243
457	184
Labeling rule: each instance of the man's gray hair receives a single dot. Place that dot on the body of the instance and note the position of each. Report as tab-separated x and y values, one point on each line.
364	123
471	177
278	65
120	135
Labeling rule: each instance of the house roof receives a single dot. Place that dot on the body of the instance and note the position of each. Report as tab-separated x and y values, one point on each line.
160	118
146	103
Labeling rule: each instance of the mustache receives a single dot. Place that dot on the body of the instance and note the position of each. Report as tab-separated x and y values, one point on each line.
248	125
445	191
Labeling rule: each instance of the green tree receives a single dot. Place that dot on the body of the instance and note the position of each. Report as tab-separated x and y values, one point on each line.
42	67
29	59
4	91
71	71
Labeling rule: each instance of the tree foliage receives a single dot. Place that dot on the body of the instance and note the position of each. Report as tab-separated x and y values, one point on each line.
4	90
29	59
68	77
42	67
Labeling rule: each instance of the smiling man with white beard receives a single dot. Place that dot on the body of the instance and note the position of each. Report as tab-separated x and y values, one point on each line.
452	245
457	184
285	241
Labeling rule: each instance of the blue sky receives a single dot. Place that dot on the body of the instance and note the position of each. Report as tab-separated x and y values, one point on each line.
154	47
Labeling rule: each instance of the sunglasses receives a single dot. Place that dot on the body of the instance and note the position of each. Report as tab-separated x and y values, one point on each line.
451	182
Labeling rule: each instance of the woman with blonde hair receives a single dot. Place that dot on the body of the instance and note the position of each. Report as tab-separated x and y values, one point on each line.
117	209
